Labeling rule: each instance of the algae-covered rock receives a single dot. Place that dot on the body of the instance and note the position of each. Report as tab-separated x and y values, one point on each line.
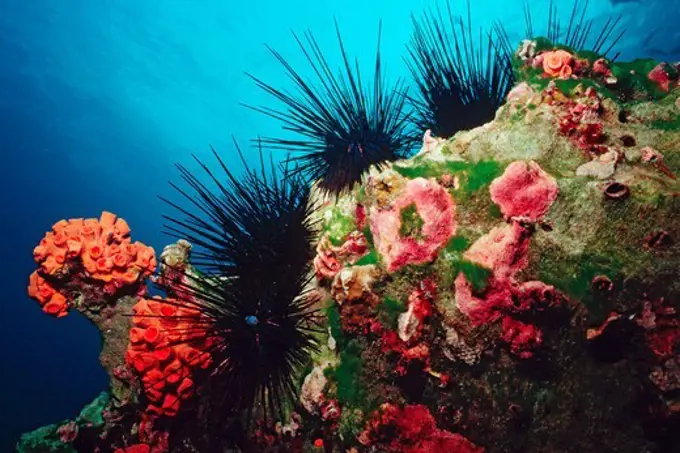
515	287
43	440
527	273
59	437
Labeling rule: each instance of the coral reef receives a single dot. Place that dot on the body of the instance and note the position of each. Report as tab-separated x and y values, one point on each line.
85	261
521	274
163	352
415	225
515	287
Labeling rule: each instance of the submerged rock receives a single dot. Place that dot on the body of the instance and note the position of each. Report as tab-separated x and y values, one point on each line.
513	288
550	237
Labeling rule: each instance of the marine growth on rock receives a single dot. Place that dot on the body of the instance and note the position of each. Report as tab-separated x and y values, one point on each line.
514	287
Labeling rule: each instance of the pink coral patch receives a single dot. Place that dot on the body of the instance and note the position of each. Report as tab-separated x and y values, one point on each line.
521	337
659	76
503	250
524	191
482	310
437	211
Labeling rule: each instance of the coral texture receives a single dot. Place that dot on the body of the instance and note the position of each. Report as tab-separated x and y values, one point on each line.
433	206
165	347
96	256
524	191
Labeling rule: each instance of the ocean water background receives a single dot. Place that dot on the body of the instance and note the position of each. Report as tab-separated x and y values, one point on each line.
99	98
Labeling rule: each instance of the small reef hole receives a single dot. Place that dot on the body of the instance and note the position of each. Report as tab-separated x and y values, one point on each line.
628	140
602	284
616	190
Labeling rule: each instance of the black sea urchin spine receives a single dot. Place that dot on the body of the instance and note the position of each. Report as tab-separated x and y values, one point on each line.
578	30
461	79
344	127
253	220
253	237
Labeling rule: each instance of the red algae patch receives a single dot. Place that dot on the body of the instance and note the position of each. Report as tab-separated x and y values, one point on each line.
502	250
485	309
524	191
411	429
436	209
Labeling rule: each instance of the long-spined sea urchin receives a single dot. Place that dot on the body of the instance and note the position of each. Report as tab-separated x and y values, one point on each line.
461	79
253	237
345	127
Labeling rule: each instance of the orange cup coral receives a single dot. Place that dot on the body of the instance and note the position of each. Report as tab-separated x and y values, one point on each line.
82	251
558	63
167	344
50	300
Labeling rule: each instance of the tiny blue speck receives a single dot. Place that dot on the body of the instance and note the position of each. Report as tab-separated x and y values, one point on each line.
251	320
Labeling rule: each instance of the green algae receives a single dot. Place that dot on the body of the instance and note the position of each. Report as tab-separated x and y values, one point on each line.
667	125
47	439
626	239
494	211
92	413
43	440
334	322
368	234
361	195
632	81
425	170
347	375
589	55
573	276
452	255
535	78
473	176
481	175
632	77
337	225
615	248
569	87
348	378
543	44
476	275
372	257
411	222
389	310
458	244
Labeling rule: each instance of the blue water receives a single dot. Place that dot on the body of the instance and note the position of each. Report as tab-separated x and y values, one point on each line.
99	98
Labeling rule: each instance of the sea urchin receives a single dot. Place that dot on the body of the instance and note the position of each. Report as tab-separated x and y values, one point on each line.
253	234
460	83
344	127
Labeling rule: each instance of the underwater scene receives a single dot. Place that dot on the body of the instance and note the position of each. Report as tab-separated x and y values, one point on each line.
425	226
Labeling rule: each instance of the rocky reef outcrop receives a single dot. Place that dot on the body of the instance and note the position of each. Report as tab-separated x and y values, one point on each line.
513	288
